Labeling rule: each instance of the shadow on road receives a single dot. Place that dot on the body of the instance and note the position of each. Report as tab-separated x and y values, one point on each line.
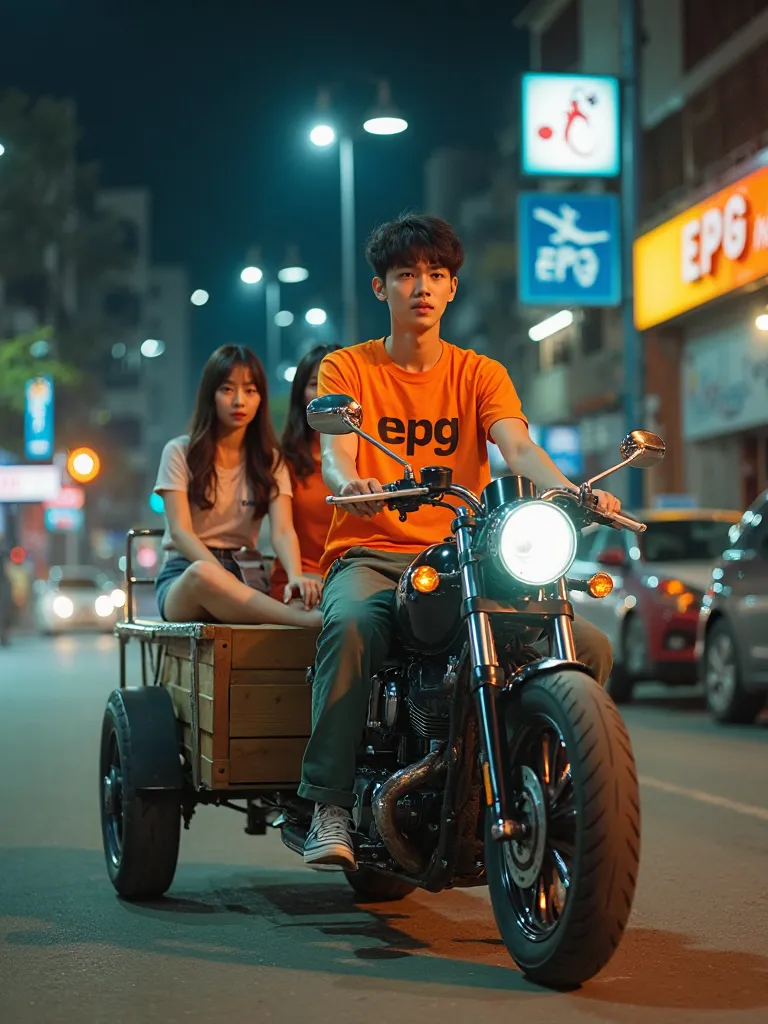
292	920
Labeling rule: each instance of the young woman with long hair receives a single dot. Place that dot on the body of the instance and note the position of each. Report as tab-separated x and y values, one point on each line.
301	450
217	484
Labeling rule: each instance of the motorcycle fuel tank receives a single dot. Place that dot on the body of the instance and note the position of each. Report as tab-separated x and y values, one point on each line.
428	604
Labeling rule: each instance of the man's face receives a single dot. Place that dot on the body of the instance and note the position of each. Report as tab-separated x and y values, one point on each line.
417	294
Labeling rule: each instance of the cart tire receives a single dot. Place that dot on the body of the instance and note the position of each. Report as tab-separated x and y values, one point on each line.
140	828
373	887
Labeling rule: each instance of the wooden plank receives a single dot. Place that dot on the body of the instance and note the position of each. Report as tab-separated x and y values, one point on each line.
179	647
269	677
181	698
178	672
266	760
206	742
222	664
215	774
270	711
268	647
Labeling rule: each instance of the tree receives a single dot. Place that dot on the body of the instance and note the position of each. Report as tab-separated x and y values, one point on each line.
17	366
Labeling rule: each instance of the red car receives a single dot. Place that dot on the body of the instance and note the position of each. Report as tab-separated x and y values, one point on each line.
660	577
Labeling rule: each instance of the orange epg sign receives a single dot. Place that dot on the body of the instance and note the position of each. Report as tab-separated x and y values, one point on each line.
710	250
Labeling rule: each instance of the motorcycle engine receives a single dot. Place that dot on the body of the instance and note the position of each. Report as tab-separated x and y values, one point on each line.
429	690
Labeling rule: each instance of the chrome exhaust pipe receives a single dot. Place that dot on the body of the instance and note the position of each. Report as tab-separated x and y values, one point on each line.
384	804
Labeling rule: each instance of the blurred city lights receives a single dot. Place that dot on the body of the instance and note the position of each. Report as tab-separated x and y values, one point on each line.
322	135
385	125
284	318
289	374
2	149
156	503
292	275
553	324
251	275
151	348
199	297
17	554
316	316
83	465
761	322
146	557
118	598
39	349
118	350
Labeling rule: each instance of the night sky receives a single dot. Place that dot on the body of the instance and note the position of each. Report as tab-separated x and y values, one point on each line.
209	103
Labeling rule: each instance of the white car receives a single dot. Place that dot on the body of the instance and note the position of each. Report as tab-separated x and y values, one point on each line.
76	597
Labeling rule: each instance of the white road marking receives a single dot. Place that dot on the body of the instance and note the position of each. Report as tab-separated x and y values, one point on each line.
750	810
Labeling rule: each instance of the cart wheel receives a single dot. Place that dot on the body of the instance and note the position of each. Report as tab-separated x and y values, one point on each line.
140	828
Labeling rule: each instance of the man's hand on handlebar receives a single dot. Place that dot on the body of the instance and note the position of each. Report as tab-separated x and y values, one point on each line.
365	509
607	503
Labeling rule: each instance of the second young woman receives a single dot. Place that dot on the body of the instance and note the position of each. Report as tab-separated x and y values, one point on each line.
301	448
217	484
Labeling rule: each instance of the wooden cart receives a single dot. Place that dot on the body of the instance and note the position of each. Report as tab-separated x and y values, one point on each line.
221	714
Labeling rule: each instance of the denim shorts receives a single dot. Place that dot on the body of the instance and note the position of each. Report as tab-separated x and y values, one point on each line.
175	566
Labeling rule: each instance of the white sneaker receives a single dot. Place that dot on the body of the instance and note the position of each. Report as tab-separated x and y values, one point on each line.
329	843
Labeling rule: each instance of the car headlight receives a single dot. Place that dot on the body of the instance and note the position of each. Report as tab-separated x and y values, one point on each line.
118	598
535	541
63	607
104	606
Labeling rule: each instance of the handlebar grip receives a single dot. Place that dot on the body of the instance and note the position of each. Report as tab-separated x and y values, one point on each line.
627	522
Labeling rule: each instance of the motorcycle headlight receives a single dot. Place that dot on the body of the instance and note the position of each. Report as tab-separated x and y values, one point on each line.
535	541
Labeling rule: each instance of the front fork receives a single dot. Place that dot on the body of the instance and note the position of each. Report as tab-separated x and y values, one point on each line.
487	681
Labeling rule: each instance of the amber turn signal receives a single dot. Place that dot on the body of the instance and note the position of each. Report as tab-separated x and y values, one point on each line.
426	579
600	585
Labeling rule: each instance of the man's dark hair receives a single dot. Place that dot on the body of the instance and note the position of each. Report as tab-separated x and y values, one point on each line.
411	238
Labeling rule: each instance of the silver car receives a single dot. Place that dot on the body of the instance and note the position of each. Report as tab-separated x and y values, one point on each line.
76	597
732	641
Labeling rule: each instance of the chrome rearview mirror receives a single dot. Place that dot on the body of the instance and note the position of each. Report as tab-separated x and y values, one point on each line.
642	449
340	414
334	414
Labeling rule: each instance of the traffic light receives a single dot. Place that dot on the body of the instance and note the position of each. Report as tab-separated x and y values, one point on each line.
83	465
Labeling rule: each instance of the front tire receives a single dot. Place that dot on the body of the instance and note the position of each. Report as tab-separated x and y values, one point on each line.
140	828
372	887
562	896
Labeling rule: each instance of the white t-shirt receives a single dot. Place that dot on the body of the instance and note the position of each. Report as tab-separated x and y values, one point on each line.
230	523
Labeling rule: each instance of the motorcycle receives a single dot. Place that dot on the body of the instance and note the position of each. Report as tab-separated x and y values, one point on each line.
487	759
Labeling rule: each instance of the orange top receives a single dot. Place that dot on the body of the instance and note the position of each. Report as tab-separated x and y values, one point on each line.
441	417
311	519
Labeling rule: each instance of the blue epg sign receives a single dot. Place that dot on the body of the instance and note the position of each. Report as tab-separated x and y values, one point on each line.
38	418
570	249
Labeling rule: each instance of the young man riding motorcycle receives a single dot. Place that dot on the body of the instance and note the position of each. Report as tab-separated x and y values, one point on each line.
435	404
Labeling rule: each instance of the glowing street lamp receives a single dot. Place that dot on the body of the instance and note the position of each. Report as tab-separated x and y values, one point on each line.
83	465
251	275
199	297
316	316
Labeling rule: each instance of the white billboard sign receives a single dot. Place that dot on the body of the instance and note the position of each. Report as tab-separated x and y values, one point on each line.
29	483
571	125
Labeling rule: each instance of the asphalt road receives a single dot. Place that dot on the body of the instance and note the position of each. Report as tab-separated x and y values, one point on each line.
247	934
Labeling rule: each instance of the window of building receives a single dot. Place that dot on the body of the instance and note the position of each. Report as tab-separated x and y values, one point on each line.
663	158
707	24
561	42
591	331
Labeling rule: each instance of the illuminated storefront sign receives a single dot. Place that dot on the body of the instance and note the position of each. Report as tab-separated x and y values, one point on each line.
713	248
570	125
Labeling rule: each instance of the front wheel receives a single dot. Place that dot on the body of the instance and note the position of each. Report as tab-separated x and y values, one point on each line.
563	895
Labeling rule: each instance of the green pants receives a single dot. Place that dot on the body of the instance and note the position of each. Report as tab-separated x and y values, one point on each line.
353	644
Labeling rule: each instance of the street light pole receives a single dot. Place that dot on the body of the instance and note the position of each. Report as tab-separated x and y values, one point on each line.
634	363
348	245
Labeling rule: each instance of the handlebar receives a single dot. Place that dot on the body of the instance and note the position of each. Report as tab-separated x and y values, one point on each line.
585	499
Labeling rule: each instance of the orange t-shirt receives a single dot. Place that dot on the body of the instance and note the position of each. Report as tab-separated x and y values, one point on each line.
311	520
441	417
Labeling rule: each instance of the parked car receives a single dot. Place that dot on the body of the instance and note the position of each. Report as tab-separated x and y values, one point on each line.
76	597
732	641
660	578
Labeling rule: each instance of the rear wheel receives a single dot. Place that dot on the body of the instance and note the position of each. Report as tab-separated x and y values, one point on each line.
727	699
563	895
140	828
372	887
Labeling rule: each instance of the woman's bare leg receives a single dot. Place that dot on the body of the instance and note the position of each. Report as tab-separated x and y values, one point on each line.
205	589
